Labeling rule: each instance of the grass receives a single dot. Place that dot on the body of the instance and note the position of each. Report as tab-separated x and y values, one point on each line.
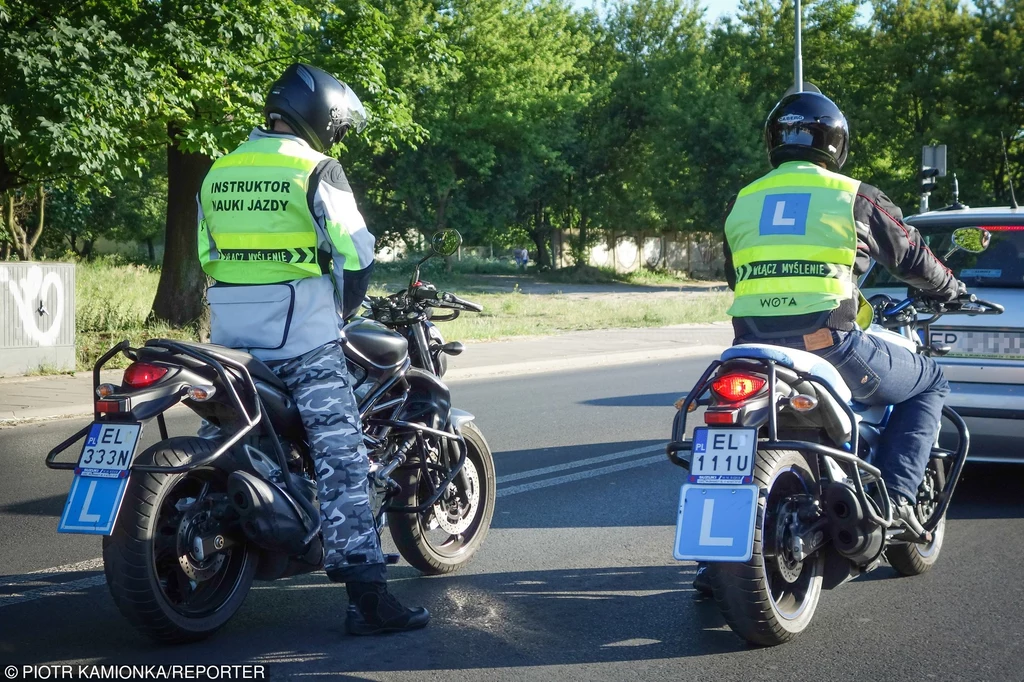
516	314
589	274
114	300
112	303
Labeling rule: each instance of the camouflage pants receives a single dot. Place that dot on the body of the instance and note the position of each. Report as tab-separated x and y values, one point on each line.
319	383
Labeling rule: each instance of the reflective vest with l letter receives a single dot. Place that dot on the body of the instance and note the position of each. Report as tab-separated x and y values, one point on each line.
794	242
257	226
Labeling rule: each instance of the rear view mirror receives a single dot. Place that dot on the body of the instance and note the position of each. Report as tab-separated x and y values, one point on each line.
969	239
446	242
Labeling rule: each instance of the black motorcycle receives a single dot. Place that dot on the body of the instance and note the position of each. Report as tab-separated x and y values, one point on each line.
189	523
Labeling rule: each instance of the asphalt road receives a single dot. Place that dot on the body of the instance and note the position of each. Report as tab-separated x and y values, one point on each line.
575	580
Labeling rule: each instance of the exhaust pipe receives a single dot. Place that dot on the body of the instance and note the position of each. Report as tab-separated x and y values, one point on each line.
269	517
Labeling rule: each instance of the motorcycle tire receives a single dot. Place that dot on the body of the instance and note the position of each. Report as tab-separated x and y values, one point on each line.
758	602
148	583
910	558
412	533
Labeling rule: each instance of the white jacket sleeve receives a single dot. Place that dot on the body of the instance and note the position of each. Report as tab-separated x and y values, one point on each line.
334	208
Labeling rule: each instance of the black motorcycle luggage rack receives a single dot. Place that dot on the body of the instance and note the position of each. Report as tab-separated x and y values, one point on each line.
851	458
251	421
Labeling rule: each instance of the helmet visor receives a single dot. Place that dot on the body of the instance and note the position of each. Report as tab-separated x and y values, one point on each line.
355	115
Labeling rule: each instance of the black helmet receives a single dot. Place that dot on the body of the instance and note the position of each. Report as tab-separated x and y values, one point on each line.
807	126
317	106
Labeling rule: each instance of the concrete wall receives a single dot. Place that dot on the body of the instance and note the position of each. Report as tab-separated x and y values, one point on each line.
37	317
700	254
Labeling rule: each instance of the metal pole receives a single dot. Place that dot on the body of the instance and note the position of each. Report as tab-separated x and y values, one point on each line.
798	60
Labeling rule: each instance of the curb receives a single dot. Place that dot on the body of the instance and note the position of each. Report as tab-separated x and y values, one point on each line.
579	362
453	374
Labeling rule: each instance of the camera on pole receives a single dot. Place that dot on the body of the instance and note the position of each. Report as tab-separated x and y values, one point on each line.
933	166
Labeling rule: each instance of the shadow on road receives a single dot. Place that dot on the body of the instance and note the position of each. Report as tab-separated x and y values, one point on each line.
44	506
643	400
494	620
989	491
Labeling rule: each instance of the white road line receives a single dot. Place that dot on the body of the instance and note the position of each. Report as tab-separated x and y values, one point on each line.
97	564
90	565
579	476
52	591
575	464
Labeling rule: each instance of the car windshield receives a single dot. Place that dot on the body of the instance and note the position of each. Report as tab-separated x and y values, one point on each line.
1001	265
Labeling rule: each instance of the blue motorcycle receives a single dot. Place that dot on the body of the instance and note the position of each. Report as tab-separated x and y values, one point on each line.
781	498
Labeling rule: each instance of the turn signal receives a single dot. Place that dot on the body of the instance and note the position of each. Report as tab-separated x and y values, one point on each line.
105	390
803	403
201	393
737	387
142	374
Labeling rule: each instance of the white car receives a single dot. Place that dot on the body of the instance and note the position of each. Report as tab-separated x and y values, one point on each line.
985	363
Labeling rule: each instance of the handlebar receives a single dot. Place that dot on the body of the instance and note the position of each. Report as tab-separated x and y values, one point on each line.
910	307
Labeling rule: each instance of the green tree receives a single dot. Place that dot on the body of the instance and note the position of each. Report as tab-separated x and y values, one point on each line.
75	103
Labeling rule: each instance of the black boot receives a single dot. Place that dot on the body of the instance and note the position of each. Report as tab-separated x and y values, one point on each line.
903	512
373	610
702	581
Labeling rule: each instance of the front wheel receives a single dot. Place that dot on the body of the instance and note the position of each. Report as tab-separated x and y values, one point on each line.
445	537
152	570
772	598
911	558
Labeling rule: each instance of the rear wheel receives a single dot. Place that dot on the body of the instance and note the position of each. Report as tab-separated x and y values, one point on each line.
152	570
445	537
772	598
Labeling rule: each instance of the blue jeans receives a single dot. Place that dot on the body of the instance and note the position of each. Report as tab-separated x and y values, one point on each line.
882	373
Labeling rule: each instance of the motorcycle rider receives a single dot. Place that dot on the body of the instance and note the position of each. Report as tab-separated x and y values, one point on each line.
795	240
274	216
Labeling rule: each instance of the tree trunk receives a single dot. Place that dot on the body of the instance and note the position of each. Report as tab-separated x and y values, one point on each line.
151	249
179	296
32	238
540	237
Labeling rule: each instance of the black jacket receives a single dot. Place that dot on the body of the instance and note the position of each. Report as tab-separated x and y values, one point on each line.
881	235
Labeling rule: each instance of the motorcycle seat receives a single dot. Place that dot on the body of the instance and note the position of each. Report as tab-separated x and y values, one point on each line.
256	368
797	360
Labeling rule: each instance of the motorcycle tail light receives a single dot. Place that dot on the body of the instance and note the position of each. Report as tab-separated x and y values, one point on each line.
720	416
737	386
108	406
143	374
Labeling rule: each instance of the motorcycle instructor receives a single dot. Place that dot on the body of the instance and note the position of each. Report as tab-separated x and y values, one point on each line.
290	256
795	241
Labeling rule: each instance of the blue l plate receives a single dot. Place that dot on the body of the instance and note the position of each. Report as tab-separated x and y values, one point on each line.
92	505
716	523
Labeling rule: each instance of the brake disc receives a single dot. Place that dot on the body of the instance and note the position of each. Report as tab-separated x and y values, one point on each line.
452	516
190	526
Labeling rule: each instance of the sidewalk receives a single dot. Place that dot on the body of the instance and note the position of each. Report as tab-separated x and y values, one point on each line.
48	397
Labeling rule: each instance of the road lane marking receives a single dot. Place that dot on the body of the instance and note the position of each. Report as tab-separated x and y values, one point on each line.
575	464
97	564
578	476
57	590
90	565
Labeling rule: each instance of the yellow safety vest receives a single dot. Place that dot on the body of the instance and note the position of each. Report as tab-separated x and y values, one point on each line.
794	242
257	226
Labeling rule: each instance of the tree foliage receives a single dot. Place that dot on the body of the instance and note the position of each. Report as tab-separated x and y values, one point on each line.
514	121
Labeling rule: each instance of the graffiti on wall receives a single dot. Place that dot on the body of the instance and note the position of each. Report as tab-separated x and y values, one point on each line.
29	294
